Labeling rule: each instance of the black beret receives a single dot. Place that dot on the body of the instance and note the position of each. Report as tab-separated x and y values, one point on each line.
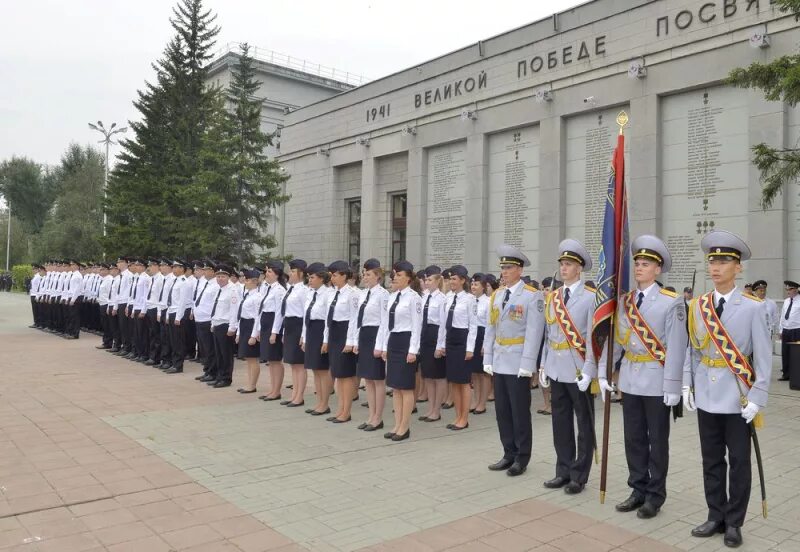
405	266
316	268
297	264
274	265
478	277
339	266
251	273
431	270
223	269
460	271
372	264
421	274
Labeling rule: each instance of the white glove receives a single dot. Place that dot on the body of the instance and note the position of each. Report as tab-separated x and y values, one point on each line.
688	399
672	399
749	412
488	369
583	382
544	381
523	373
605	386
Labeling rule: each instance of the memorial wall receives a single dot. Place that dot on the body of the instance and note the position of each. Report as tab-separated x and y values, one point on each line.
446	225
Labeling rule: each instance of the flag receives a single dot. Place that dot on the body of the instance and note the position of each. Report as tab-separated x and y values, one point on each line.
613	264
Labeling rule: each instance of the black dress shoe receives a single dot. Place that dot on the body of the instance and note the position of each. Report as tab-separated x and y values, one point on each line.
318	413
373	427
175	371
207	378
516	469
454	427
365	404
428	420
201	377
113	350
149	362
338	421
632	503
733	537
556	483
362	426
330	419
102	347
708	529
284	403
783	378
389	435
402	437
221	384
211	382
295	405
307	411
500	465
271	398
573	487
247	391
647	511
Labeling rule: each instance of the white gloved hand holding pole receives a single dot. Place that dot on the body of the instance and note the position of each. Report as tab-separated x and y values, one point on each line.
544	381
749	412
688	399
605	386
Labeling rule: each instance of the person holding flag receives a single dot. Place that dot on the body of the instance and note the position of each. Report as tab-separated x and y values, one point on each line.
568	366
727	382
651	332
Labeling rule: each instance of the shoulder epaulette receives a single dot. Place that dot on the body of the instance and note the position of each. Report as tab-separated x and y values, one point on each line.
531	288
752	297
590	288
668	293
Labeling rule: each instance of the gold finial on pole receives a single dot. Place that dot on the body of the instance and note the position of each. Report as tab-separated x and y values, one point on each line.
622	120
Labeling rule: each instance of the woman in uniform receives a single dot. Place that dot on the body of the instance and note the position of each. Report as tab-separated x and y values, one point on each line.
371	317
400	347
265	331
313	339
245	339
340	337
432	365
481	381
456	341
289	324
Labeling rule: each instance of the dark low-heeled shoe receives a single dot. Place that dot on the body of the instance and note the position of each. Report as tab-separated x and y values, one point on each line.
447	406
362	426
247	392
317	413
454	427
479	412
373	428
389	435
402	437
294	405
338	421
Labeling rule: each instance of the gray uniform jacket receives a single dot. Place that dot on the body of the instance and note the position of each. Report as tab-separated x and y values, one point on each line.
716	388
513	334
561	362
665	314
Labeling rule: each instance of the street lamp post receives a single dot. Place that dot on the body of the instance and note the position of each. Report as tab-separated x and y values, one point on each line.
107	140
8	236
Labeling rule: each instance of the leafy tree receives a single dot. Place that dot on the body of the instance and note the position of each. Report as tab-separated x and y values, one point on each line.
29	190
780	81
19	241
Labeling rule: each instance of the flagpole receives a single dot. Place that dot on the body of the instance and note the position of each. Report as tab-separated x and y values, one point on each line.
622	120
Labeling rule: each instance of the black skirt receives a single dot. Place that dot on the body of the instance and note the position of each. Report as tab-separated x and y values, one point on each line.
292	332
343	365
476	364
399	373
315	359
431	367
456	346
268	351
369	367
246	350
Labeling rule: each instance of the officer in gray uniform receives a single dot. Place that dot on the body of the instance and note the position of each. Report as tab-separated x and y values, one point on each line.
568	366
727	381
510	347
651	332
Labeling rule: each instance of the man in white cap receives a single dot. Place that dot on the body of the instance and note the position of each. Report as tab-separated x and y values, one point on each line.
568	366
727	381
510	347
651	332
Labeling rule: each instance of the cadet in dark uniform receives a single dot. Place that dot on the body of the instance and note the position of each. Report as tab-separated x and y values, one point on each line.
223	318
432	364
313	339
727	381
481	382
340	337
245	339
265	331
289	322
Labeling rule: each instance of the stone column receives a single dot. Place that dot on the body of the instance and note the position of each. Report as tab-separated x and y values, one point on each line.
643	167
417	206
477	203
552	193
369	214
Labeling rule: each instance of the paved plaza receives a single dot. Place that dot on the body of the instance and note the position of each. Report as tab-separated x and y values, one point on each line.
98	453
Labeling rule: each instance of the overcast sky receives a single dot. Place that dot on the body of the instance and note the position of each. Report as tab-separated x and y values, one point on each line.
63	64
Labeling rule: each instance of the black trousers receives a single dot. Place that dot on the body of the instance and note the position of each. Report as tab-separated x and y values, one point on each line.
512	403
113	324
205	346
570	405
223	350
59	308
166	344
727	491
124	327
72	323
142	335
177	342
191	334
646	422
105	324
153	328
787	336
35	311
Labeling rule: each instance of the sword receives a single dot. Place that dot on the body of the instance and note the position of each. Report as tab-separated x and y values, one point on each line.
677	410
757	448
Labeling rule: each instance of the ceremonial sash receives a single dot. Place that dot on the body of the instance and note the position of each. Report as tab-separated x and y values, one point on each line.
646	335
733	357
574	337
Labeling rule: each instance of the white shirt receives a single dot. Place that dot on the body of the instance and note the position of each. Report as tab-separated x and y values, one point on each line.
226	307
794	316
482	311
156	285
463	318
316	307
407	318
123	294
36	282
163	293
772	312
271	299
727	297
201	290
248	308
434	300
645	291
74	286
173	296
186	302
295	301
113	292
345	310
204	303
105	289
140	292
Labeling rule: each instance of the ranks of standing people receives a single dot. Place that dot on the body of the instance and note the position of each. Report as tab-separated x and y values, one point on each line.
340	338
511	345
651	341
247	343
269	336
727	382
313	339
289	321
432	365
568	366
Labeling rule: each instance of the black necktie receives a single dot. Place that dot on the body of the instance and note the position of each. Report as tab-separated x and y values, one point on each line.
197	303
639	300
391	311
283	303
425	313
261	305
119	285
130	291
449	323
566	295
720	307
332	307
308	310
362	308
214	309
241	305
110	288
506	297
135	285
169	297
197	285
161	293
788	309
150	293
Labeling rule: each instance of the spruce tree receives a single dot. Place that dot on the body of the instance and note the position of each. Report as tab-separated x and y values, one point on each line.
780	81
